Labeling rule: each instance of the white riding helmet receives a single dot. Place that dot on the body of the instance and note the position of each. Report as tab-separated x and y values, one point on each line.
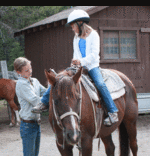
78	15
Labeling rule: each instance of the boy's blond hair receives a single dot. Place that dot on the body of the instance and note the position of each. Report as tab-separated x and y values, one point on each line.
20	62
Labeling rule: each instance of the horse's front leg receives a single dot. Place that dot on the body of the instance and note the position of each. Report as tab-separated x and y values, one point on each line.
67	151
86	146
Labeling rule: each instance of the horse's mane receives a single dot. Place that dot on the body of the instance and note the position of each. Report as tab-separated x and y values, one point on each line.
66	72
65	84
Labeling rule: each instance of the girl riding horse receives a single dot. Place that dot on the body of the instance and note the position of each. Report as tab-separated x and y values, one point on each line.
86	46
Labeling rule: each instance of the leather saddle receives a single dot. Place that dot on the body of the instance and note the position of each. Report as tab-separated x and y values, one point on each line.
87	83
89	87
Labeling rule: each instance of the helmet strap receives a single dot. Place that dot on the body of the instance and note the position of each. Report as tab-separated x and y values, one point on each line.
79	26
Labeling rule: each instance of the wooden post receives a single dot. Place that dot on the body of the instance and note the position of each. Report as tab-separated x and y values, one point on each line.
5	76
4	69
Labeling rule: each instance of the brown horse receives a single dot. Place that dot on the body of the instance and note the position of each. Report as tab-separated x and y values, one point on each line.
7	92
72	119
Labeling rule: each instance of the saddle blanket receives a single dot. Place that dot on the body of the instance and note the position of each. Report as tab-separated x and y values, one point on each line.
113	82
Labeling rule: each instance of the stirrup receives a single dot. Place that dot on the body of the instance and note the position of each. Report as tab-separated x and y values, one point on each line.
112	118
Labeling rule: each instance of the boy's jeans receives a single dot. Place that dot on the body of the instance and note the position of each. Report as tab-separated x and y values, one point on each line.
30	134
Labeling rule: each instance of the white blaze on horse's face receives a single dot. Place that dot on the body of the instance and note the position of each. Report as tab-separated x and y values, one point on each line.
73	122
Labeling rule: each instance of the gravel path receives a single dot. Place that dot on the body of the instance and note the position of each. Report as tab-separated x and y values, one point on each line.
11	143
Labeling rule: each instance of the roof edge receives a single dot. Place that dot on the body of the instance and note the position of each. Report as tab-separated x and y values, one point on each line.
43	25
96	9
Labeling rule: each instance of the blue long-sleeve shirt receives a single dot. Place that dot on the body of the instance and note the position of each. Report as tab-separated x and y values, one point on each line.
82	47
29	96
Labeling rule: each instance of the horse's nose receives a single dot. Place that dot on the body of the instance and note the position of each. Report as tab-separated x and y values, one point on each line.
72	137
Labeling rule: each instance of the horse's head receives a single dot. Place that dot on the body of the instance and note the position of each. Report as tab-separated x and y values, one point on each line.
66	102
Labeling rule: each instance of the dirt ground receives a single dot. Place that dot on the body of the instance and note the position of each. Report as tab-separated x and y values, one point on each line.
11	143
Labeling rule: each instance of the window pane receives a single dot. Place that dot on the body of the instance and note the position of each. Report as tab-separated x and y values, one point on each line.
128	44
111	44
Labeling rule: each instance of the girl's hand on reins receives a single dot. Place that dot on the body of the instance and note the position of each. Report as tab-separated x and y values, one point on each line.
76	62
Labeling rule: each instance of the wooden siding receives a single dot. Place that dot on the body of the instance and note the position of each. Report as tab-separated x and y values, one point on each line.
52	47
128	18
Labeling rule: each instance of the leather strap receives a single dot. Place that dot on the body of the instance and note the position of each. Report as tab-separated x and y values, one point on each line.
29	121
68	114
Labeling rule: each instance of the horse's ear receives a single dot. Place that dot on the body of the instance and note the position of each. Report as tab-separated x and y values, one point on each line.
77	76
52	71
50	77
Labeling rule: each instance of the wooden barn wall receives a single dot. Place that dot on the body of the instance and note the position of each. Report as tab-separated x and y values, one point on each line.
33	49
50	48
129	16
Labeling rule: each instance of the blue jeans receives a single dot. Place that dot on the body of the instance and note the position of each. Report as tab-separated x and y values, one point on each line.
45	98
96	76
30	134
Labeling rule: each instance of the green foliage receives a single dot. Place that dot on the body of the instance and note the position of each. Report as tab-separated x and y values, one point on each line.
15	52
2	53
13	18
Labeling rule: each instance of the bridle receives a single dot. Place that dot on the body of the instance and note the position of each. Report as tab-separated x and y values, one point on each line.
78	116
60	118
68	114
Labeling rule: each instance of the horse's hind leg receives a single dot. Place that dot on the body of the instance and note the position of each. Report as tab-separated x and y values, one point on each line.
12	123
14	110
129	125
109	145
128	134
132	137
132	133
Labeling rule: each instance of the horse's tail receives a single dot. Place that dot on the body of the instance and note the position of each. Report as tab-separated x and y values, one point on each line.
124	140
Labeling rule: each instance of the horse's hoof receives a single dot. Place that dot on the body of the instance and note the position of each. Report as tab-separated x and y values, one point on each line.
11	125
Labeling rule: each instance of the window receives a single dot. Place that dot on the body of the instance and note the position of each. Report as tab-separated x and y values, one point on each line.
119	44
